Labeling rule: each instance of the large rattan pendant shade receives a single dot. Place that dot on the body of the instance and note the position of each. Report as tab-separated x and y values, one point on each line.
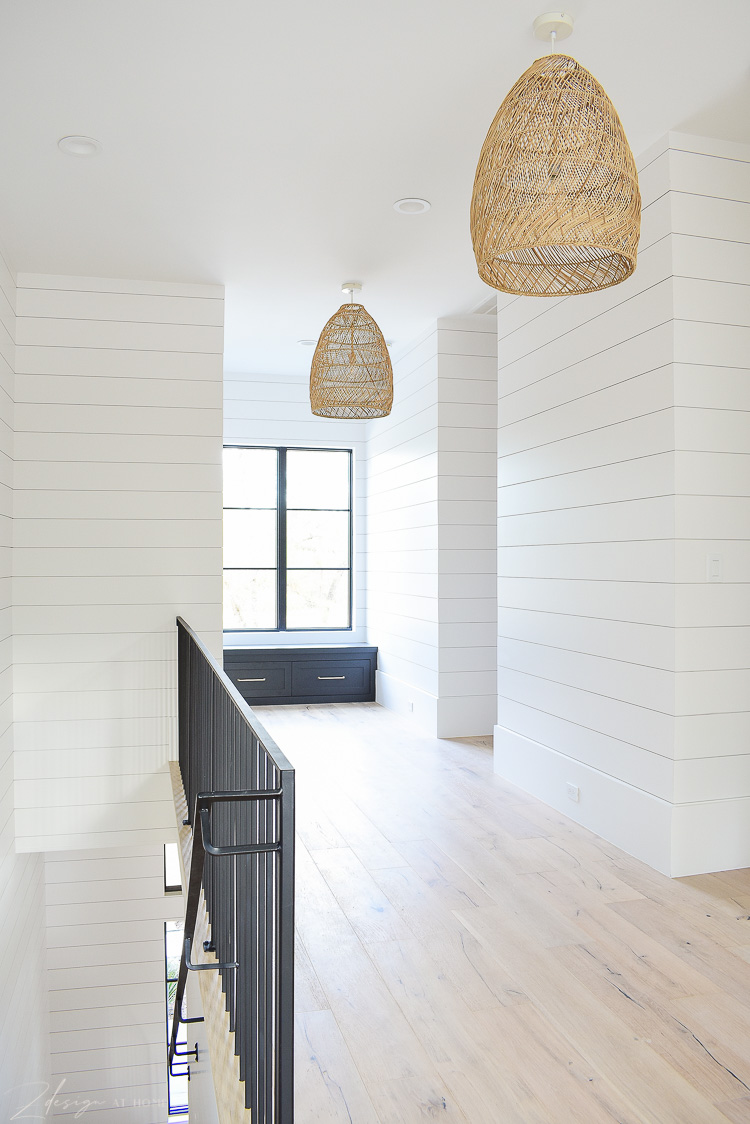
351	375
556	207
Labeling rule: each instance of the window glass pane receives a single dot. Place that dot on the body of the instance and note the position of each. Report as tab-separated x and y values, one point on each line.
172	875
317	599
250	599
250	477
250	538
317	538
317	478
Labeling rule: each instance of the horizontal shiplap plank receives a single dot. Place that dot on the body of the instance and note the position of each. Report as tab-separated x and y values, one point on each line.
132	421
108	392
96	448
651	603
120	534
711	259
629	561
648	518
92	362
58	503
131	788
50	331
145	561
61	283
93	820
123	476
602	750
131	308
713	217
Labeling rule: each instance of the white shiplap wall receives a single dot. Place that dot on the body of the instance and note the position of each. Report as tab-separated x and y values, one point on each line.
402	537
467	515
24	1023
275	410
117	529
105	915
710	205
431	531
606	427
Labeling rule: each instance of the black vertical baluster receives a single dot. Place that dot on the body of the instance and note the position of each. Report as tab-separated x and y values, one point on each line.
231	733
285	930
268	920
236	741
250	998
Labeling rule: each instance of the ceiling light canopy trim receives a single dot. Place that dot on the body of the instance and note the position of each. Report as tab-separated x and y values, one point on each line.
351	374
412	206
79	146
556	205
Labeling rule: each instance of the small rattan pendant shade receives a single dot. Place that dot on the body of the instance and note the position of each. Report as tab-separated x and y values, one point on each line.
556	207
351	375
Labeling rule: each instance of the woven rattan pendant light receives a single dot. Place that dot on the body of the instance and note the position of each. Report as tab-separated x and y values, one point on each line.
556	206
351	374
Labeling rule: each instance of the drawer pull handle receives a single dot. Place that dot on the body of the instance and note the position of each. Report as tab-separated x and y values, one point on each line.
331	677
252	680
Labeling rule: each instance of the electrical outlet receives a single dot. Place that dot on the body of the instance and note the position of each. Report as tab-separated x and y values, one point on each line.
574	792
714	568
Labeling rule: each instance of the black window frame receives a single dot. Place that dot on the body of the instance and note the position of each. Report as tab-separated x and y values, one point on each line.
281	538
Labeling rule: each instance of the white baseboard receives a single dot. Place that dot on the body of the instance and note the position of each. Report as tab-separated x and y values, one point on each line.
630	818
410	702
710	835
452	717
676	839
466	716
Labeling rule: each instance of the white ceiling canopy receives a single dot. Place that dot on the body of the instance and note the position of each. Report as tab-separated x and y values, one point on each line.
263	145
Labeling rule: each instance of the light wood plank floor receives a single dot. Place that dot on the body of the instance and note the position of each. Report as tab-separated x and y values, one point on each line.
465	953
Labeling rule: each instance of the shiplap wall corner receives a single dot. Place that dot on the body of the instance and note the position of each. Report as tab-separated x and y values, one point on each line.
117	529
275	410
24	1021
622	468
431	531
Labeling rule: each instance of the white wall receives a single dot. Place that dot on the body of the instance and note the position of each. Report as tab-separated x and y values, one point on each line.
467	518
24	1024
431	518
710	205
604	526
105	915
402	538
117	529
275	410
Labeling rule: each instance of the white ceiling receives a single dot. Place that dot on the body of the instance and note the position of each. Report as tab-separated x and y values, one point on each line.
262	145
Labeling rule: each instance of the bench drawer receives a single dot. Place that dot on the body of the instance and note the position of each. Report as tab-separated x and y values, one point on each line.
329	677
268	679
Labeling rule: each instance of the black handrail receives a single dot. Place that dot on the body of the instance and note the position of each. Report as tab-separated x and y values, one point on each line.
240	786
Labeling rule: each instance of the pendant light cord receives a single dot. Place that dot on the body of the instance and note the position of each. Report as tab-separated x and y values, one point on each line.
553	41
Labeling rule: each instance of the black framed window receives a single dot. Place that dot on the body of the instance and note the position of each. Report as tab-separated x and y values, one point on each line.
287	539
172	875
177	1086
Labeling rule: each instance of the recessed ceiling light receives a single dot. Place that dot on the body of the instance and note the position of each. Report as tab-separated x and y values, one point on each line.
411	206
79	146
307	343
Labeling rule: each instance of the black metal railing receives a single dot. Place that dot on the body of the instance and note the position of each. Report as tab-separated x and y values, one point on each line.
240	796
